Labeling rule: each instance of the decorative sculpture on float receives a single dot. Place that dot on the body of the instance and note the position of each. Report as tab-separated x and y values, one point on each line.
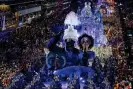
86	12
92	24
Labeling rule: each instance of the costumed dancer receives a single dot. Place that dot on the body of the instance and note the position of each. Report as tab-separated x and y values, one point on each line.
71	54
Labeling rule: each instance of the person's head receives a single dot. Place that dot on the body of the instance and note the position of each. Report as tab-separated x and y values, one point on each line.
85	42
69	44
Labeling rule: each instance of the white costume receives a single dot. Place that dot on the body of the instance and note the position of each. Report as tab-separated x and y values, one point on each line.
72	19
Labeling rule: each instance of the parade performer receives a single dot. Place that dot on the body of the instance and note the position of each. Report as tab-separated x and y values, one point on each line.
86	42
71	54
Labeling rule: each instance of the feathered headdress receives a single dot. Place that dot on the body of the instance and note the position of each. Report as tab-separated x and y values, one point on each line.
72	19
71	34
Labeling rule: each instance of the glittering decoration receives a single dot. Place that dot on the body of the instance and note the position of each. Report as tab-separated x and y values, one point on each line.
102	23
103	52
92	24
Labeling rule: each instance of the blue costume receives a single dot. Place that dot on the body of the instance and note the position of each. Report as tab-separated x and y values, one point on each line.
72	55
